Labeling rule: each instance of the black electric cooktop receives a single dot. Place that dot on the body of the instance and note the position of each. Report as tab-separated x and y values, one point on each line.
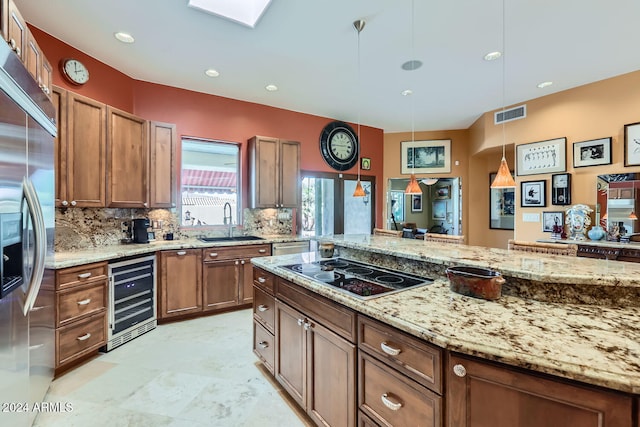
358	279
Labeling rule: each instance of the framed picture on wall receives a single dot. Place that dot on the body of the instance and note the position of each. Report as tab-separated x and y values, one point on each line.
416	203
439	209
549	219
541	157
592	153
632	144
533	194
442	192
397	206
426	156
561	189
502	206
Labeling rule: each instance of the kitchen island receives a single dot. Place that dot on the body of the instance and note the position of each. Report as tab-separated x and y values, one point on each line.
596	343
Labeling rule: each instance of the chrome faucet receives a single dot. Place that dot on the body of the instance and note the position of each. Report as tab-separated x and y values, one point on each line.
228	218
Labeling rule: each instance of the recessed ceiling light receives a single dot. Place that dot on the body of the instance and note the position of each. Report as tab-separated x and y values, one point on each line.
212	72
411	65
492	56
271	88
124	37
407	92
544	84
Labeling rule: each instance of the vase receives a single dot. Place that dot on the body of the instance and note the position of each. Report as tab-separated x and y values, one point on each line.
596	233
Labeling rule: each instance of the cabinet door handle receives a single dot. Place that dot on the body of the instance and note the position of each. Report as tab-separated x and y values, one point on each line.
262	307
84	337
391	403
73	203
262	251
300	322
242	262
65	203
84	301
84	275
392	351
180	253
263	344
459	370
307	326
261	279
13	44
237	262
213	254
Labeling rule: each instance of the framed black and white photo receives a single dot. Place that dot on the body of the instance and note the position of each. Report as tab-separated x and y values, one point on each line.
595	152
541	157
549	219
416	203
426	156
502	206
561	189
533	194
632	144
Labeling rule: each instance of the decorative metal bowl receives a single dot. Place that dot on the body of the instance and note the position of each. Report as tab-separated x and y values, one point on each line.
475	282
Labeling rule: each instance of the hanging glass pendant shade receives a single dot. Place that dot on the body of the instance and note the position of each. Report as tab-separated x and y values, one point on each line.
359	190
503	178
413	187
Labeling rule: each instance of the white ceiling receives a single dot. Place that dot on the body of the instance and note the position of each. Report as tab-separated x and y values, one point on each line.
309	50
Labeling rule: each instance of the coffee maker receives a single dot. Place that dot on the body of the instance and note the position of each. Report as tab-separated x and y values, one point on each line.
140	230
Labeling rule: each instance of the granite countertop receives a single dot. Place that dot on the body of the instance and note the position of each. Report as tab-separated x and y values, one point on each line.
588	343
525	265
105	253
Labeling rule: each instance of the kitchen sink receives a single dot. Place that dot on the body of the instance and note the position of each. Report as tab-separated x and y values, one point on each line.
229	239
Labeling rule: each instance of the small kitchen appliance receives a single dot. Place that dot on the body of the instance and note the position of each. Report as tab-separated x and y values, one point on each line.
140	230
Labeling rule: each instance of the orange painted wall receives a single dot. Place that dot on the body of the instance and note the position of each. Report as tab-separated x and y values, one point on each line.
459	152
209	116
592	111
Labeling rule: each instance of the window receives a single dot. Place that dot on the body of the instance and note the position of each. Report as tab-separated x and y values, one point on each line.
209	181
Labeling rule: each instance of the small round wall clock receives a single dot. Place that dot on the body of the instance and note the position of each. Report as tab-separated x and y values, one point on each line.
74	71
339	145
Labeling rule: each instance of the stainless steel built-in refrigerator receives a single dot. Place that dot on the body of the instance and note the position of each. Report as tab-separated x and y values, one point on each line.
27	132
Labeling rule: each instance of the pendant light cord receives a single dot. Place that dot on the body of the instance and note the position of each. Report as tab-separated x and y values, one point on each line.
504	60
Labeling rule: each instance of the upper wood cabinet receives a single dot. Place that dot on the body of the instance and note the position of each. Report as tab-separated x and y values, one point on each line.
16	30
128	146
162	169
80	150
274	166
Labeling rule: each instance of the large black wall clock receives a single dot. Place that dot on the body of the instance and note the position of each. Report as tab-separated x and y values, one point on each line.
339	145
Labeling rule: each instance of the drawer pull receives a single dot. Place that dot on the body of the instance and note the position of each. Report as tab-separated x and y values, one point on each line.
261	279
181	253
262	251
84	301
84	337
263	344
389	350
389	402
84	275
213	254
262	307
459	370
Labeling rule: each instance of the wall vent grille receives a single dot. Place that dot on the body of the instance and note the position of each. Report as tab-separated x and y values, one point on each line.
515	113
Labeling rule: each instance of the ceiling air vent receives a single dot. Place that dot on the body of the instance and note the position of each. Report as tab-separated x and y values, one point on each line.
515	113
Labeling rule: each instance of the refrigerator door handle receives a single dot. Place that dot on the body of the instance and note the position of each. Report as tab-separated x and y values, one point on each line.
40	244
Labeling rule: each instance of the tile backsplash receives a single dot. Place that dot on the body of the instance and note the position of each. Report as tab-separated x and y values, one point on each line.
84	228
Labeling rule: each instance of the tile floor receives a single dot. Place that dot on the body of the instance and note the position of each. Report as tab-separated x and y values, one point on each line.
194	373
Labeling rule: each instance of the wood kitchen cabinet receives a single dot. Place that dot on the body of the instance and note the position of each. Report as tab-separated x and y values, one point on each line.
264	309
80	312
81	150
180	282
128	160
480	393
274	166
227	275
162	168
316	365
16	29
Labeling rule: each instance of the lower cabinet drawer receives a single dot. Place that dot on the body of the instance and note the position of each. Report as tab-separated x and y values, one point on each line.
264	308
80	338
80	301
390	398
264	346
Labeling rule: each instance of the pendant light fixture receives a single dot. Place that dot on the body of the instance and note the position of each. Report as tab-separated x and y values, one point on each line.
503	178
359	191
413	187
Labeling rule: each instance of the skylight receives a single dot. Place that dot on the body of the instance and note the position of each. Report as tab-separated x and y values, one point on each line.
246	12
